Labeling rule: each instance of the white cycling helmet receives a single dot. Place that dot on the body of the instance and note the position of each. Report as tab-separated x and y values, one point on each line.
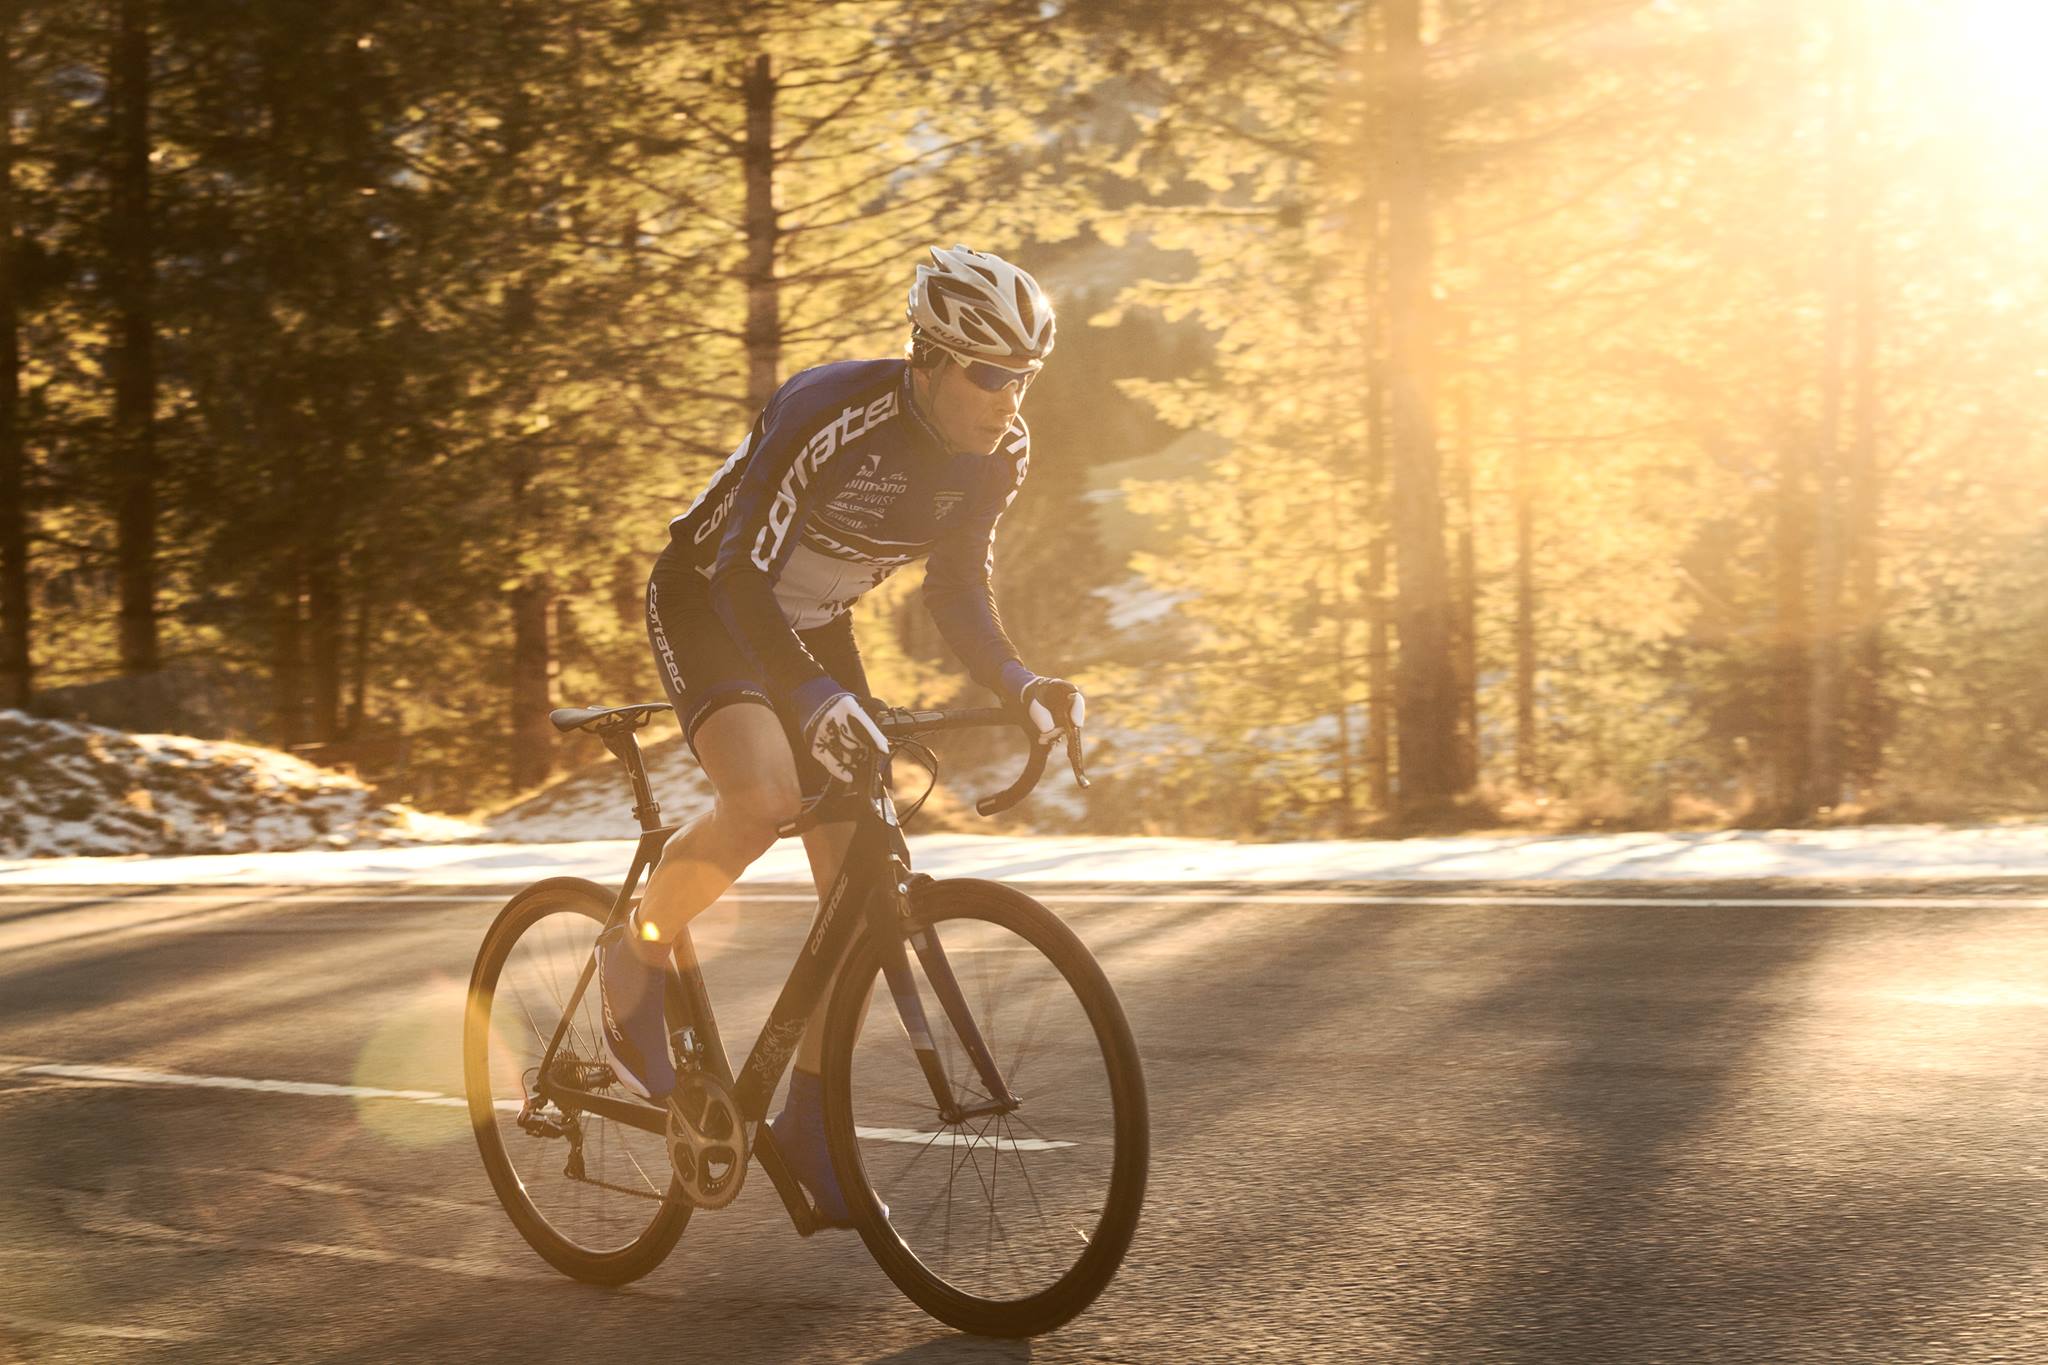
980	305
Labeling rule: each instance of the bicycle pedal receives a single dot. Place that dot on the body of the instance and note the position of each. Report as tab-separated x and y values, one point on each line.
687	1049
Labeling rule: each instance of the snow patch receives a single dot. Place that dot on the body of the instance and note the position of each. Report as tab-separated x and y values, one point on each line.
75	789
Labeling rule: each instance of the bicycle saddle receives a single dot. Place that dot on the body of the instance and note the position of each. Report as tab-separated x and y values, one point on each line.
567	718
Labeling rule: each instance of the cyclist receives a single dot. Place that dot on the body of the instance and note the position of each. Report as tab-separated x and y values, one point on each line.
851	471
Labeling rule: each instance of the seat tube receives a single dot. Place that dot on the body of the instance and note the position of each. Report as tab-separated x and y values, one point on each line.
643	858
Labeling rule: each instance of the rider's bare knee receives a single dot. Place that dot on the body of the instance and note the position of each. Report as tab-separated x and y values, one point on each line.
754	811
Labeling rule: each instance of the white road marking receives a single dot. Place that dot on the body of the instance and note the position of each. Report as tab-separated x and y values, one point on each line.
285	900
145	1075
96	1331
282	898
106	1215
1536	901
1000	1144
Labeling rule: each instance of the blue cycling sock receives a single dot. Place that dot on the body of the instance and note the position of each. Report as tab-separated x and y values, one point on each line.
800	1133
807	1099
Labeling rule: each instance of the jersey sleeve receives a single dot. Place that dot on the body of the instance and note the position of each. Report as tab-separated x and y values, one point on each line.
958	591
784	481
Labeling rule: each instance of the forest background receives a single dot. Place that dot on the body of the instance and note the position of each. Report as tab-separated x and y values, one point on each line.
1545	412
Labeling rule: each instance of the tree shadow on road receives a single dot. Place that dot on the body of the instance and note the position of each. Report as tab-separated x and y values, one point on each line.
1700	1157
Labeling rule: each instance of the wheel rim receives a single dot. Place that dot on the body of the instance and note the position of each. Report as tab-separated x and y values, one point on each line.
1000	1207
624	1173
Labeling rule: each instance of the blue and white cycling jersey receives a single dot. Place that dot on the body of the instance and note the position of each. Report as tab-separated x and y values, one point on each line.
840	483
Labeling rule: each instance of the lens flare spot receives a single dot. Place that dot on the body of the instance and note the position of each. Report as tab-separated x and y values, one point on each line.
416	1046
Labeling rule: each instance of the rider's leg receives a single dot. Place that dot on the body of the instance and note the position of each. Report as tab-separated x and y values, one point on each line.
742	748
746	754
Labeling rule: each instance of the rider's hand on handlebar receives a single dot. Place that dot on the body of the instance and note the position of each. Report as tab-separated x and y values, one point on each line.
841	734
1054	706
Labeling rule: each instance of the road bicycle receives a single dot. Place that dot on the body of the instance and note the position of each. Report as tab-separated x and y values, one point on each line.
984	1109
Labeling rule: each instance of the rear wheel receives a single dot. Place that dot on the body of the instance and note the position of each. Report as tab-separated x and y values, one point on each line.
1007	1223
595	1197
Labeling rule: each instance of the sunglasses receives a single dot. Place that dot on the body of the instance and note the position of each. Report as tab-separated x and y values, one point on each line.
991	378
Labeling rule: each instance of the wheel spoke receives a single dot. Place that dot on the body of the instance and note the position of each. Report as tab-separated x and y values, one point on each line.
1024	1169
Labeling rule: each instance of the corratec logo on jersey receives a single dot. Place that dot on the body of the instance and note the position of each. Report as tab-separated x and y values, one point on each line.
718	513
852	424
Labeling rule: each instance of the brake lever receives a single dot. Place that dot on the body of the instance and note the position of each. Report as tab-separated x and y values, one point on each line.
1073	738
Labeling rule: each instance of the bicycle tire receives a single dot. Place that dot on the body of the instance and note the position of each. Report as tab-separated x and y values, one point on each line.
560	1247
988	924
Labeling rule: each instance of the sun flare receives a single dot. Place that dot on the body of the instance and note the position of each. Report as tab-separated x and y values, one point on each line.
2001	46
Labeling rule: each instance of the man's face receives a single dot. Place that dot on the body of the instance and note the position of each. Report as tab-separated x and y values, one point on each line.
969	417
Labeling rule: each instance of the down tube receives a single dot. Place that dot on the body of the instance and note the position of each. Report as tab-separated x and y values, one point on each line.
834	926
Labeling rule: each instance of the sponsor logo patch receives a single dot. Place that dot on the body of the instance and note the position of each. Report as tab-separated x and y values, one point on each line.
851	424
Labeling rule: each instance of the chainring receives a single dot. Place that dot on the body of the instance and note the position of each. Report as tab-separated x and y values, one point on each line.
707	1144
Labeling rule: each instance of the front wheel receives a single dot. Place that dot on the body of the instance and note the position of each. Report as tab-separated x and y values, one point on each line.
1011	1221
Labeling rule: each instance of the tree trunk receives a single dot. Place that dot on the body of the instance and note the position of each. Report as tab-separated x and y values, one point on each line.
1425	678
1791	670
764	305
1526	756
1865	722
568	642
16	680
629	590
324	614
287	671
1339	615
1379	682
134	363
1841	228
1465	577
531	757
359	660
533	685
1465	598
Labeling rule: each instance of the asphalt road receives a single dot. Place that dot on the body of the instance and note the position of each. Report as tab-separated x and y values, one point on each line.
1388	1124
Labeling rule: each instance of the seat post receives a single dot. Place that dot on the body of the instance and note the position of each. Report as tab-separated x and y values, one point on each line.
625	746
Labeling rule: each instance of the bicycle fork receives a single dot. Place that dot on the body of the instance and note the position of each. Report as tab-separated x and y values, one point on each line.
938	970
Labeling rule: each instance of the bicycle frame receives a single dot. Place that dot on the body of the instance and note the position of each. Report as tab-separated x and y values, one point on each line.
872	889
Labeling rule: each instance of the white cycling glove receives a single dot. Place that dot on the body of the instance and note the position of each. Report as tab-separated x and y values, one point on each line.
841	734
1054	706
